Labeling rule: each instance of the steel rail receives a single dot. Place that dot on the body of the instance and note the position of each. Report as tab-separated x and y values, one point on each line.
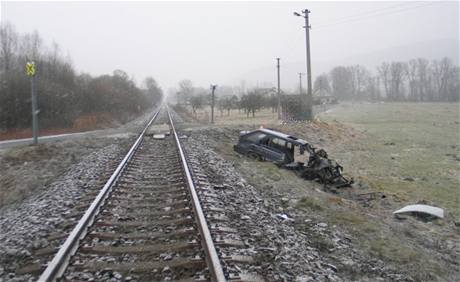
60	261
212	258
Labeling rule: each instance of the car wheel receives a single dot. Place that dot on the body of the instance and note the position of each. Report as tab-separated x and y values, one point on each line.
253	156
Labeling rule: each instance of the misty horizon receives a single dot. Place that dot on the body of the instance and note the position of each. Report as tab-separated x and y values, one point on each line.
226	42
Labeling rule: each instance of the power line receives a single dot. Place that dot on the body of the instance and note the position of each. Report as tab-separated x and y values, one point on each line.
368	12
376	15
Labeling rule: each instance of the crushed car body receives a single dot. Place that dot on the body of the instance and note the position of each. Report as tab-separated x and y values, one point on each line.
279	148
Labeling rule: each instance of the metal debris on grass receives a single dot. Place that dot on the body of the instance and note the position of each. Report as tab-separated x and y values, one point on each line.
424	211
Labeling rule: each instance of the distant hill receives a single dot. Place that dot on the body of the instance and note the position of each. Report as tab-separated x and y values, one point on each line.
435	49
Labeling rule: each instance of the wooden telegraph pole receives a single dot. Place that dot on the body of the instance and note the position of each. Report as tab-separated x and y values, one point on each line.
309	102
279	90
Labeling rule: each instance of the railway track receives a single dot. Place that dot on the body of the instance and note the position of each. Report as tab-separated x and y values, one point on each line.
155	219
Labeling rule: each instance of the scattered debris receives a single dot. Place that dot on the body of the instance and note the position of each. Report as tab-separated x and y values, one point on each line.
284	217
371	196
366	199
424	211
320	167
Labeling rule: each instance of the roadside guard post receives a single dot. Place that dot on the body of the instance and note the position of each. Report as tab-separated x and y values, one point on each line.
30	71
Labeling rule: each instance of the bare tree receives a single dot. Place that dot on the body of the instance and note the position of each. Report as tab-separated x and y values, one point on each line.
232	103
31	46
454	85
411	73
153	91
385	78
341	80
8	44
322	84
397	72
359	78
372	88
252	101
423	78
185	91
442	76
197	102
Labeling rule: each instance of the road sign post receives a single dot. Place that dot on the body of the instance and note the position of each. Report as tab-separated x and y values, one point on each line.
30	71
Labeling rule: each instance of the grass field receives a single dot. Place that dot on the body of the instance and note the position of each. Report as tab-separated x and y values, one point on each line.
411	150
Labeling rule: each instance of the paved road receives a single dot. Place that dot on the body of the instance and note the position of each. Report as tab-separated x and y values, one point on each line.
25	141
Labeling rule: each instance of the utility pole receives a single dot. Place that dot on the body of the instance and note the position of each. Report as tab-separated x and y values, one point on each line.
30	71
300	82
213	88
279	89
308	60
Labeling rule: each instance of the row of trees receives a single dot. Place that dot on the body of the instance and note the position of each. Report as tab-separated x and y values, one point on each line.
227	98
417	80
63	95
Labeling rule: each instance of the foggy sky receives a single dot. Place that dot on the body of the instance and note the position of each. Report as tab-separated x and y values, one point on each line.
218	42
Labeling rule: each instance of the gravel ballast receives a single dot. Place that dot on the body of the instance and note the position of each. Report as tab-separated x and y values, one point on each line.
51	185
26	226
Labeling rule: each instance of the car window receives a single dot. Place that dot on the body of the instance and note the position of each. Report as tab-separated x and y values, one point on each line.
289	145
279	142
255	137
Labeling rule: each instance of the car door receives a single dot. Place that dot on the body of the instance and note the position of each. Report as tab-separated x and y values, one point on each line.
269	152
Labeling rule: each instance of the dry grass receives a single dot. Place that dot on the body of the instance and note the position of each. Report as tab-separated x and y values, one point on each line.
262	117
409	150
84	123
311	203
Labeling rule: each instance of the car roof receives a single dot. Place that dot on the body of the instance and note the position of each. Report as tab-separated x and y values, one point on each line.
281	135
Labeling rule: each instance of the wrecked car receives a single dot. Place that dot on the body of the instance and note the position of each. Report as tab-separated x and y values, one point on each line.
270	145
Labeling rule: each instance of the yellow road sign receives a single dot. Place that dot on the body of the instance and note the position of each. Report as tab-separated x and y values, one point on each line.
30	68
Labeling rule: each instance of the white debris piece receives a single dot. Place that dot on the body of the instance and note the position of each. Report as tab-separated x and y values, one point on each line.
284	217
159	136
434	211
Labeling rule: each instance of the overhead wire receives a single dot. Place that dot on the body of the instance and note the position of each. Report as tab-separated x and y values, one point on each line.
371	12
374	15
340	19
365	15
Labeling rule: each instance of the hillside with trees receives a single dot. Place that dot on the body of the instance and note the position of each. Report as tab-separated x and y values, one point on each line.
66	98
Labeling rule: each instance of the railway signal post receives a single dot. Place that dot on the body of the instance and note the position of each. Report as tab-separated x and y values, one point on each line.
213	88
31	72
